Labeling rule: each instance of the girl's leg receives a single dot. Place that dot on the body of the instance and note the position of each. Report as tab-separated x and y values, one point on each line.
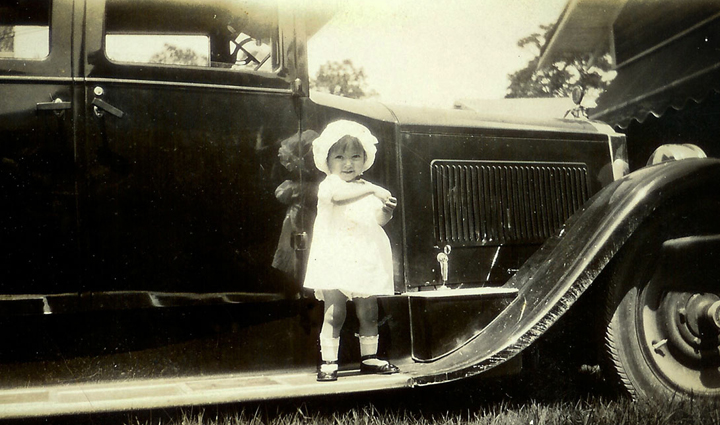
367	313
335	310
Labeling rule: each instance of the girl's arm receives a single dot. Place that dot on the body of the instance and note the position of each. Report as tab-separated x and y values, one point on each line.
353	191
384	214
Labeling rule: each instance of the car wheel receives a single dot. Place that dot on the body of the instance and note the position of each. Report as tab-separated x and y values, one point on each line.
663	309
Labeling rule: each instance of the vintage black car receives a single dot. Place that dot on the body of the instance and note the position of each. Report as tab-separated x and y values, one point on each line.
142	143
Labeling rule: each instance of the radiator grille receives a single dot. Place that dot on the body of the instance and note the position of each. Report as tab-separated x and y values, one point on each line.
497	203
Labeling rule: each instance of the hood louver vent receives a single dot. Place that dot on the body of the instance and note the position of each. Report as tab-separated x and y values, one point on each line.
479	203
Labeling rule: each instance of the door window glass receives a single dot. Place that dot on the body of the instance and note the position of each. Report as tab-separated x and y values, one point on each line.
168	49
224	34
25	29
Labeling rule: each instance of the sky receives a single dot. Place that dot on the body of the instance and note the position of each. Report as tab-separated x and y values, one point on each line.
31	42
431	52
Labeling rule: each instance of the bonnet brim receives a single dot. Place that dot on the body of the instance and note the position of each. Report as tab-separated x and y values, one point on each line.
334	132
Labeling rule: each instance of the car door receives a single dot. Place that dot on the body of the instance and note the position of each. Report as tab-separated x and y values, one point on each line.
38	215
185	107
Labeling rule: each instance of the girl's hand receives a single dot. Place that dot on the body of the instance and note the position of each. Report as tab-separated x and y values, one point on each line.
390	204
386	212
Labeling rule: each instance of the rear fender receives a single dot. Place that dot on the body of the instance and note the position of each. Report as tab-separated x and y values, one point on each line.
552	280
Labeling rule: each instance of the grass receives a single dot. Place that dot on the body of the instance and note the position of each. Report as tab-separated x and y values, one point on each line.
588	411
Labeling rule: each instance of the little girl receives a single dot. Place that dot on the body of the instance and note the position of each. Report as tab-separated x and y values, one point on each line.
350	257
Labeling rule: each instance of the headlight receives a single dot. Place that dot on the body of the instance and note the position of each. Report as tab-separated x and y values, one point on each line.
620	162
667	153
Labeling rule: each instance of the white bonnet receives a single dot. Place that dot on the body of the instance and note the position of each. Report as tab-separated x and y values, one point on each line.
334	132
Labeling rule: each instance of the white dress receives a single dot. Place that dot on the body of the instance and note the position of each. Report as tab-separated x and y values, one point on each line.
350	250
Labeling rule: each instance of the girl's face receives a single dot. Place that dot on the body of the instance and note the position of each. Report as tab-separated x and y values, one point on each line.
347	163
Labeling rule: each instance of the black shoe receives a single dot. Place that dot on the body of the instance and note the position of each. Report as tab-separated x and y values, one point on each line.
384	369
327	376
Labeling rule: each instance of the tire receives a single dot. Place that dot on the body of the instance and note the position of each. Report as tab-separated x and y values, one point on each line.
659	339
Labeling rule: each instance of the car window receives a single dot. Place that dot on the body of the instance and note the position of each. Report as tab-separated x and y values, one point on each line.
177	49
25	29
224	34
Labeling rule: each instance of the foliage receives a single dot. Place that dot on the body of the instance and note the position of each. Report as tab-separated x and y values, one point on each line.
342	79
174	55
558	78
7	35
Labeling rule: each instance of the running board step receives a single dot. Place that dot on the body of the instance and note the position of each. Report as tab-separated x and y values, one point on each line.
444	320
175	392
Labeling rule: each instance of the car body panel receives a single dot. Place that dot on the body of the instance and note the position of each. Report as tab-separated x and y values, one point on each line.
37	147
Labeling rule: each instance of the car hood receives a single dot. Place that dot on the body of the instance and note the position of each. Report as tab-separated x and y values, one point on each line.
416	116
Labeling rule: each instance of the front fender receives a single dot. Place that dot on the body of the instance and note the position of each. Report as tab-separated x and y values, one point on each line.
568	263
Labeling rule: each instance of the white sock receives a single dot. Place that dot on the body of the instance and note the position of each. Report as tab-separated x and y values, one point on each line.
329	348
328	367
369	347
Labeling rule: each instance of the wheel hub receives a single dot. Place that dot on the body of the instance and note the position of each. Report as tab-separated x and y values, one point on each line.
692	324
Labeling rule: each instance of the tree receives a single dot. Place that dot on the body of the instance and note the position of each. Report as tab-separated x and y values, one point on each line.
343	79
559	78
7	35
176	56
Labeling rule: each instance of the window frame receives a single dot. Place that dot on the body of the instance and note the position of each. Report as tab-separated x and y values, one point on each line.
277	56
59	62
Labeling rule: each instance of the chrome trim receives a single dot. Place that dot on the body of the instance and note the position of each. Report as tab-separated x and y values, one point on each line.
37	78
603	128
287	91
619	160
42	304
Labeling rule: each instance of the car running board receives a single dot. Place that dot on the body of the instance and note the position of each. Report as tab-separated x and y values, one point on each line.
84	398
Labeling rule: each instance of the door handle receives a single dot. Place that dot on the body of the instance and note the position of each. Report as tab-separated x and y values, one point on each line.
100	107
56	105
